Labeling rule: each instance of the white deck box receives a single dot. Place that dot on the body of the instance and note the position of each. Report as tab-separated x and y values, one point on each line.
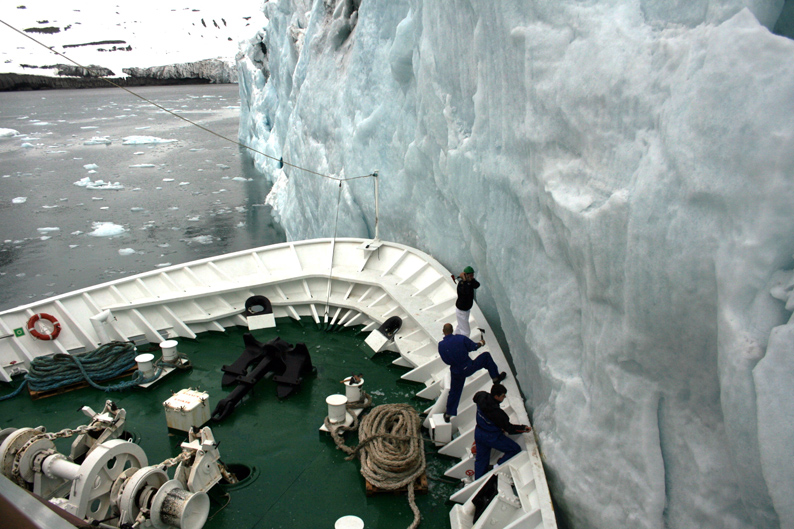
187	408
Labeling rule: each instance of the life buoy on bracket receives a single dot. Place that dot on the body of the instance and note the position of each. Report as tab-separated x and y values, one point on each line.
40	335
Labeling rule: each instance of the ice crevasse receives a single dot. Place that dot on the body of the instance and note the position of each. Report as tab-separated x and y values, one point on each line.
620	175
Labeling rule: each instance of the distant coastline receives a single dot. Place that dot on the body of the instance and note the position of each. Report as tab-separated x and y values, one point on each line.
13	82
216	71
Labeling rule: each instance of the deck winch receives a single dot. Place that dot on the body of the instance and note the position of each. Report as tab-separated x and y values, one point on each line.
109	479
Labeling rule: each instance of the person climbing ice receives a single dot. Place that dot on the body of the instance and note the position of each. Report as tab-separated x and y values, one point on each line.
454	350
492	424
466	287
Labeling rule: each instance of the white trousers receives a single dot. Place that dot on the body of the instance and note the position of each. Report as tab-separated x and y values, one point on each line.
463	322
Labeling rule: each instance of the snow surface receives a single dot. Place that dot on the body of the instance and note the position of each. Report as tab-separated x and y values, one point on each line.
619	175
160	33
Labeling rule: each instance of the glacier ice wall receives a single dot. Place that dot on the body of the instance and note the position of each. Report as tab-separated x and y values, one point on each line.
619	173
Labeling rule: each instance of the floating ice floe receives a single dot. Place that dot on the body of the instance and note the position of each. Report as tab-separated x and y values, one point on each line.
240	179
19	200
184	183
168	179
223	166
89	127
126	251
201	239
136	209
87	183
90	166
107	229
8	133
98	141
144	140
27	146
48	230
142	165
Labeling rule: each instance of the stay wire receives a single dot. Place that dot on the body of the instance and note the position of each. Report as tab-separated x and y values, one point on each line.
221	136
331	269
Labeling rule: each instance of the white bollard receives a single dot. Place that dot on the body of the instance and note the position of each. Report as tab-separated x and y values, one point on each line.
337	408
146	364
353	391
349	522
169	350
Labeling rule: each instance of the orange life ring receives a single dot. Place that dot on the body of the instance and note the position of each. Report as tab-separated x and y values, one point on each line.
40	335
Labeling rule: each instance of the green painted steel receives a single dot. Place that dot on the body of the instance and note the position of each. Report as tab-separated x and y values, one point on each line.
299	479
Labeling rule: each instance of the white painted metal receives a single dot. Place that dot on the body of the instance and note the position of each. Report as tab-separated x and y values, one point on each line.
345	282
186	409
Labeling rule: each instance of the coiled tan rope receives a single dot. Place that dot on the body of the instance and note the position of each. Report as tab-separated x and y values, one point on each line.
390	448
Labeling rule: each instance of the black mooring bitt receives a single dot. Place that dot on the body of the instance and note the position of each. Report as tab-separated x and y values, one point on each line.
289	363
391	326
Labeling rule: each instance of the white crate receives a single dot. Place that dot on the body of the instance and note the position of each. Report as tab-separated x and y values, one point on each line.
186	409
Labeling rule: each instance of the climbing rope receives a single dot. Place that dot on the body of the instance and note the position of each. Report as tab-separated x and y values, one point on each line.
390	449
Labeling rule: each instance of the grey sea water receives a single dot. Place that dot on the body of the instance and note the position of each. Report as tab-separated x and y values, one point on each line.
188	199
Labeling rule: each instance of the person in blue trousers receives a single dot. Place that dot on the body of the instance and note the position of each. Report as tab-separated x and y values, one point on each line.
492	423
454	350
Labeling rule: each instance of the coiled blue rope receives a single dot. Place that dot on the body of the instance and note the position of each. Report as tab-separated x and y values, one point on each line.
15	392
106	362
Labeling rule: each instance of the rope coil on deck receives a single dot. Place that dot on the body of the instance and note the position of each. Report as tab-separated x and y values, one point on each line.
104	363
390	449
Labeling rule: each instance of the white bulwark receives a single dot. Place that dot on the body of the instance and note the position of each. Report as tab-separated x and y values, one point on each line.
339	282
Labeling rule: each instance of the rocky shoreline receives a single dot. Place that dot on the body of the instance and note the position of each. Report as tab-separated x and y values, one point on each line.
201	72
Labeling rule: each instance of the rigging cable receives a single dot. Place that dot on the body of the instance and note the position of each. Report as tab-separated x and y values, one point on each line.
221	136
236	142
333	245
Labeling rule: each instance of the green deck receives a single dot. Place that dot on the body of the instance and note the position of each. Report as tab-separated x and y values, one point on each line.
299	479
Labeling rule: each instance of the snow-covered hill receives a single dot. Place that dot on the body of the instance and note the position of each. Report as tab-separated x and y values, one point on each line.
123	34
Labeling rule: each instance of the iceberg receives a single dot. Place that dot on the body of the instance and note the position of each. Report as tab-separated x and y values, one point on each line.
144	140
97	140
106	229
617	173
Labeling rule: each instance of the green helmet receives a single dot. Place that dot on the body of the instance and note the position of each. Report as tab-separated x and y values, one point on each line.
468	270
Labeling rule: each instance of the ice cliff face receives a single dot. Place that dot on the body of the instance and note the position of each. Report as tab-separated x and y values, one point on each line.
213	70
619	174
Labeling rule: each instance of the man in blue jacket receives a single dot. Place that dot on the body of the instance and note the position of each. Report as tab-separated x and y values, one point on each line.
492	423
454	350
